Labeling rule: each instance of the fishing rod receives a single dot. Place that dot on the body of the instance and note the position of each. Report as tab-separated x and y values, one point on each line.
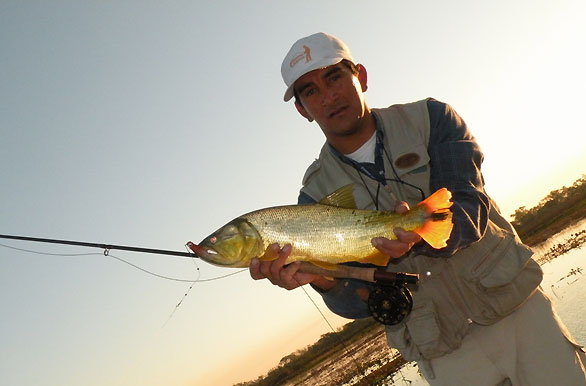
105	247
389	302
342	271
373	275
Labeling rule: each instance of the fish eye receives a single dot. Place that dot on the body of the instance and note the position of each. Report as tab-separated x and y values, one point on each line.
213	239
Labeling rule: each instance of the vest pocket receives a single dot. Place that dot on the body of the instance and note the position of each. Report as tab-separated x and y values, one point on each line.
416	334
502	300
500	278
398	338
420	336
423	327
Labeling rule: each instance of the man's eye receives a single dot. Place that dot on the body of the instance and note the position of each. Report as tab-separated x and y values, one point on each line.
309	92
334	77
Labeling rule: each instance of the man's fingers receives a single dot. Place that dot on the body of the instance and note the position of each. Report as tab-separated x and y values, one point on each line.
272	251
392	248
396	248
402	207
290	278
407	237
277	265
254	269
273	268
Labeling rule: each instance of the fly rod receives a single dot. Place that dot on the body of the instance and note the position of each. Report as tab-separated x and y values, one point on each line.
106	247
341	271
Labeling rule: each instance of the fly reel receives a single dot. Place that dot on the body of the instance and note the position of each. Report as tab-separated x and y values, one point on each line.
390	303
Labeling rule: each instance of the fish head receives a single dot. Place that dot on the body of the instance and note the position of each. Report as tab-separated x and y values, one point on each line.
233	245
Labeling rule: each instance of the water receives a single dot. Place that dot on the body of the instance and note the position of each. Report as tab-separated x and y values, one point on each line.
564	282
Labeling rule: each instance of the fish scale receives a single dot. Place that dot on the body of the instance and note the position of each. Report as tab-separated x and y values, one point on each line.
324	233
330	232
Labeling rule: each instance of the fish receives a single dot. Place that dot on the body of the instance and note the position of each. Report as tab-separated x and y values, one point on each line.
326	233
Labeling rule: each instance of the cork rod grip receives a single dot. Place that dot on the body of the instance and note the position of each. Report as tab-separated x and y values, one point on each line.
360	273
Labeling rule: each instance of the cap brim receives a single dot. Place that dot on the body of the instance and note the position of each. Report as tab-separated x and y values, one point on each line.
288	94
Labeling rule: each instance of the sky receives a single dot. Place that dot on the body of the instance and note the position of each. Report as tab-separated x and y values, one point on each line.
152	124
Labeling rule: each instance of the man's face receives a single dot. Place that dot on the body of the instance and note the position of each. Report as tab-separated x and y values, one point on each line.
333	97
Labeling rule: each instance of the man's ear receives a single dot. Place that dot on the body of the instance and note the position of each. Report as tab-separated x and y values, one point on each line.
303	112
362	77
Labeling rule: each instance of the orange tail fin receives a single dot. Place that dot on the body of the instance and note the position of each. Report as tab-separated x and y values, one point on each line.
438	228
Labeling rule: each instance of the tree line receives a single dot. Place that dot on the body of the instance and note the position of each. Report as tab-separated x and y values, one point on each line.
559	209
305	359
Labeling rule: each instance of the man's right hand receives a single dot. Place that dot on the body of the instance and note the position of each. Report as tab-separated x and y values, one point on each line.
285	276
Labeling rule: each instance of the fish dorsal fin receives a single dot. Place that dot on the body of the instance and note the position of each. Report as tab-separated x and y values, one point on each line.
343	198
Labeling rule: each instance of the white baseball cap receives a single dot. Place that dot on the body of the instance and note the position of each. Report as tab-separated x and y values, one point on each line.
310	53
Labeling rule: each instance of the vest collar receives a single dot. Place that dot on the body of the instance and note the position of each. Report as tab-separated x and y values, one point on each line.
374	171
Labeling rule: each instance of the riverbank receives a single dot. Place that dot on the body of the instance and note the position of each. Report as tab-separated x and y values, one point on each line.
576	240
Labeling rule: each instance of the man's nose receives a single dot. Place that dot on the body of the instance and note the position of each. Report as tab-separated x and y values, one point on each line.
329	96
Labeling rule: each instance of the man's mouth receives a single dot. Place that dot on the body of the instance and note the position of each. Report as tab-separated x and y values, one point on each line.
337	111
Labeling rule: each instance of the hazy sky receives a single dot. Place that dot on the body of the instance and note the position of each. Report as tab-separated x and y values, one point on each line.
153	123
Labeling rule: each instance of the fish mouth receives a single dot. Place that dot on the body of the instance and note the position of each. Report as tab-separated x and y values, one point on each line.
207	254
210	255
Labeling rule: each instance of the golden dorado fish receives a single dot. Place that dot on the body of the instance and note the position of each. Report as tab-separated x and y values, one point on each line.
327	233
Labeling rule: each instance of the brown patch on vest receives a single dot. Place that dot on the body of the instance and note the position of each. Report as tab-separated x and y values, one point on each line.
407	160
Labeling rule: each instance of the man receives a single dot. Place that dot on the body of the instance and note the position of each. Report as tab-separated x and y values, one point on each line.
479	317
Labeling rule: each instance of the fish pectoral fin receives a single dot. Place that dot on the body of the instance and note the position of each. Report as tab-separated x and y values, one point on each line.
377	258
269	255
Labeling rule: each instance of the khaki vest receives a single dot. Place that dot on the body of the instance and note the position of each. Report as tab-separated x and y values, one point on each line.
480	284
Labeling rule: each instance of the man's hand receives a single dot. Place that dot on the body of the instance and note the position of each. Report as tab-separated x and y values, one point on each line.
404	242
285	276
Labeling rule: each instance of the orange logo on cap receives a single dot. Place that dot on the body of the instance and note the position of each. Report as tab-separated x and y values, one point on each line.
305	54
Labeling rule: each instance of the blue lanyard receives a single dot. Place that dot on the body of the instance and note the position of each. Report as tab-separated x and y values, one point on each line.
374	171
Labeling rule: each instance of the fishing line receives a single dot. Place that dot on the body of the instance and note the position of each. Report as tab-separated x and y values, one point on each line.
124	261
108	254
191	286
340	341
178	304
50	254
184	295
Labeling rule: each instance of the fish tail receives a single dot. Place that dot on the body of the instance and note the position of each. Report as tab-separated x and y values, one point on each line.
436	231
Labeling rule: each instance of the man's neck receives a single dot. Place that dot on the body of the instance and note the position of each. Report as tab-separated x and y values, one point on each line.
348	144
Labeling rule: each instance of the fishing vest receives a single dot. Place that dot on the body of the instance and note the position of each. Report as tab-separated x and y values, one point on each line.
480	284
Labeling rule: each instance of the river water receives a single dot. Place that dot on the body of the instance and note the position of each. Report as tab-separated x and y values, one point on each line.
564	282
